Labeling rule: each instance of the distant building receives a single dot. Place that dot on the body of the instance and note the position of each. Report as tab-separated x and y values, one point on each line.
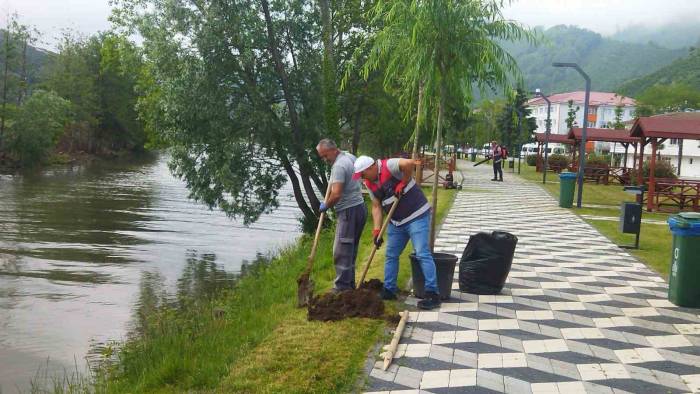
601	110
670	150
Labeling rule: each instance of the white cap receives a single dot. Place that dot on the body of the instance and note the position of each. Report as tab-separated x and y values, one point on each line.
362	163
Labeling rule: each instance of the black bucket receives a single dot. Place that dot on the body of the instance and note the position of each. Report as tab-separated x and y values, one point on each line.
444	270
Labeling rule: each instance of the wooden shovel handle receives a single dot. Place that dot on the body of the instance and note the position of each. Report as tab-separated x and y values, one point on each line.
381	233
314	247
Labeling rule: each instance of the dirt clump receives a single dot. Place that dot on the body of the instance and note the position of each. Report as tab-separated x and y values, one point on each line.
372	284
360	302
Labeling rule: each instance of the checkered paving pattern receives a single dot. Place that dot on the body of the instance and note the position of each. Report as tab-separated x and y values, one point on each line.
577	314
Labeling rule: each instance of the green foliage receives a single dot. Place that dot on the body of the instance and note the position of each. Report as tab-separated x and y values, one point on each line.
662	169
558	161
483	127
515	124
430	43
684	71
571	114
594	160
237	98
99	76
675	97
617	123
677	34
608	62
532	160
36	128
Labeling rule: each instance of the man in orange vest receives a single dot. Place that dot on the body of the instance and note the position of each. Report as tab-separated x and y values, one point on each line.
386	181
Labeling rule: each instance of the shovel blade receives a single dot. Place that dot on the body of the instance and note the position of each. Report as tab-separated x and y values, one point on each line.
305	291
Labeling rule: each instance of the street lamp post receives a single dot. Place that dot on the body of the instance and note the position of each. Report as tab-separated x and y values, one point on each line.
582	152
548	130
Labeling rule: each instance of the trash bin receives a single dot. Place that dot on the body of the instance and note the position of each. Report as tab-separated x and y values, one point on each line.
444	270
511	163
486	262
567	183
685	260
473	156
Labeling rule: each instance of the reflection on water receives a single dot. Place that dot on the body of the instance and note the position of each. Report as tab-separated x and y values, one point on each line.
83	251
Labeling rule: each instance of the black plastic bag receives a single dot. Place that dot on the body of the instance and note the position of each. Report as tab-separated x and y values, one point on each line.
486	261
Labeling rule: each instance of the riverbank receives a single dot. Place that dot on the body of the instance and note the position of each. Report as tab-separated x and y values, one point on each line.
75	158
90	246
252	338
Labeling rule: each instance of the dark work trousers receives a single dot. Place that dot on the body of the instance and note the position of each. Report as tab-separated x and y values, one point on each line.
348	230
497	170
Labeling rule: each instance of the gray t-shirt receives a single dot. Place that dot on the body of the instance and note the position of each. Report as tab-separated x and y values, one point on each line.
341	172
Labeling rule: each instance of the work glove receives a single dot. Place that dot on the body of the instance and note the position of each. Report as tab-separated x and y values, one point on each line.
378	241
398	189
323	207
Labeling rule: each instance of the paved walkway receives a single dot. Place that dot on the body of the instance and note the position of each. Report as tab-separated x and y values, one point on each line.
578	314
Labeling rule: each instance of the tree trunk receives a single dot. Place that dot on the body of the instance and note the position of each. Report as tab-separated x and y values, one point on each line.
4	84
23	76
438	149
329	93
417	171
299	152
298	196
356	127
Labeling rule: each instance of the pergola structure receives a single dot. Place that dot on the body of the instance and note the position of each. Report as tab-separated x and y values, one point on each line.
622	137
654	130
553	139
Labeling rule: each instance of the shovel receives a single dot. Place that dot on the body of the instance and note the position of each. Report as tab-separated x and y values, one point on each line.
381	233
305	285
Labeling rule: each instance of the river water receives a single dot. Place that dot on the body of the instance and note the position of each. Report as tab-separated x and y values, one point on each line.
79	245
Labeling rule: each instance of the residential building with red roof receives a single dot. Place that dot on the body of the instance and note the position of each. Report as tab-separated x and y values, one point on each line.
601	111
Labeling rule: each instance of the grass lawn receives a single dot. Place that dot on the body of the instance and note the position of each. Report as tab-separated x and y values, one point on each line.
655	240
593	194
263	343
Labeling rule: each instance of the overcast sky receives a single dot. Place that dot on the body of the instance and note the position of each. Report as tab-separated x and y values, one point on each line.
603	16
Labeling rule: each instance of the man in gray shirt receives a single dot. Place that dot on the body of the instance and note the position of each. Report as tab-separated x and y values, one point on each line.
346	198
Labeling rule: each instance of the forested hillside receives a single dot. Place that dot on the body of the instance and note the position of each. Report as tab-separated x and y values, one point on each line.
681	34
608	62
36	58
685	71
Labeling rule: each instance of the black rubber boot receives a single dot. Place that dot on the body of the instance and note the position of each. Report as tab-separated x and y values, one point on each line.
431	301
387	294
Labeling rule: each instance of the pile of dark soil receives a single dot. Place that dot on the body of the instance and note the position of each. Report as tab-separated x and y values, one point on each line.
372	284
362	302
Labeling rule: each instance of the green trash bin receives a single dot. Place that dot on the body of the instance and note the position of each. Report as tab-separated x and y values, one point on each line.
473	156
683	289
567	183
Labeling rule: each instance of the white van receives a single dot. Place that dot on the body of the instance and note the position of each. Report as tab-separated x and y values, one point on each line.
529	149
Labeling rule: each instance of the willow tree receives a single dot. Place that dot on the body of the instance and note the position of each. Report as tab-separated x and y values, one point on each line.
434	46
233	93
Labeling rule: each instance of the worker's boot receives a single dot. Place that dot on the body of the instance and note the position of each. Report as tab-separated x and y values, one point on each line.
431	301
388	294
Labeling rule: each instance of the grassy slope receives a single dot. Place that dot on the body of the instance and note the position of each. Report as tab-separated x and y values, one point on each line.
332	354
655	240
264	344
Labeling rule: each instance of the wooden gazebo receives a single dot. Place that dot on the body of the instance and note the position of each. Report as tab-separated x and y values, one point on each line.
622	137
553	139
654	130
